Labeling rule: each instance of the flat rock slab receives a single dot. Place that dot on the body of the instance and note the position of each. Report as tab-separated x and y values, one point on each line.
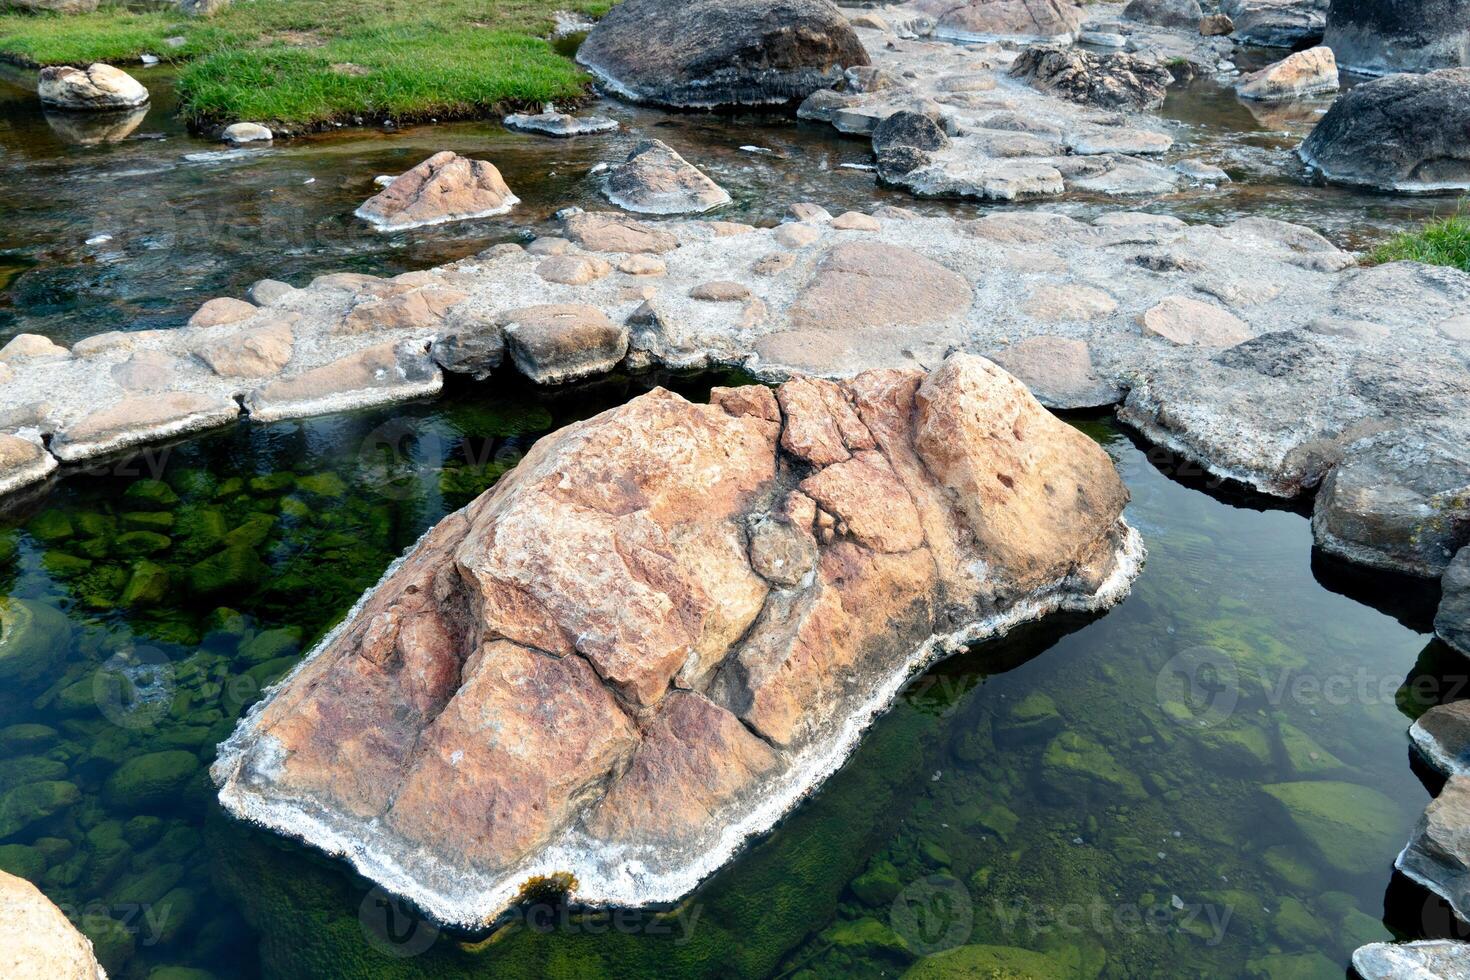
654	179
472	723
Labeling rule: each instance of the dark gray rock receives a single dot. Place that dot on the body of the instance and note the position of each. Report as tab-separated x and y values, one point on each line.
1112	81
472	348
1452	622
1165	13
1400	500
1406	133
1442	736
1438	854
1277	23
908	128
1382	36
1425	959
708	53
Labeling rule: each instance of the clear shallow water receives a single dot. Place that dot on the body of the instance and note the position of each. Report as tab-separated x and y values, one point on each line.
1090	790
186	219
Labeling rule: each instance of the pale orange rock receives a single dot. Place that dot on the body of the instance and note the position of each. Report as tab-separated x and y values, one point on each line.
416	309
37	941
574	270
863	285
1185	321
604	231
222	310
614	658
445	187
252	352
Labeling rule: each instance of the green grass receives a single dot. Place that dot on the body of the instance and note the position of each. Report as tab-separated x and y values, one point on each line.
1442	242
306	62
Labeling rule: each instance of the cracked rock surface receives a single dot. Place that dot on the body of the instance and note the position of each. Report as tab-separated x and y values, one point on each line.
667	624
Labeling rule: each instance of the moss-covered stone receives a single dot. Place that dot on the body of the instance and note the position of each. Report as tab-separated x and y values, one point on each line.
19	739
1076	767
64	566
997	962
134	544
1288	864
113	943
879	885
33	641
147	586
151	781
25	805
150	495
1031	719
1294	966
1237	746
29	769
234	570
1296	926
1304	755
22	861
273	483
148	520
868	938
51	526
327	484
1353	828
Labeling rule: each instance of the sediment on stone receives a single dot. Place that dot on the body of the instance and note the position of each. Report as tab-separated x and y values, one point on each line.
675	620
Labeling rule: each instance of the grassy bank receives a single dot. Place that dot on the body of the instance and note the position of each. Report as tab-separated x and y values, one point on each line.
306	62
1442	242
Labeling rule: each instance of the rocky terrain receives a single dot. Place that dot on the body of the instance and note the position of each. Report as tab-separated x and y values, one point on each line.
668	624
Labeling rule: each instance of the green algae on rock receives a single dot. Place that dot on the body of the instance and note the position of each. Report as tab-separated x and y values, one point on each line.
1347	823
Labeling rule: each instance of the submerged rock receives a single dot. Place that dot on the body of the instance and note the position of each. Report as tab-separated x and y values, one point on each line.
1382	36
988	20
445	187
1305	73
709	53
656	180
1424	959
99	87
553	123
94	128
472	723
37	941
1452	621
1407	133
1277	23
1349	825
1112	81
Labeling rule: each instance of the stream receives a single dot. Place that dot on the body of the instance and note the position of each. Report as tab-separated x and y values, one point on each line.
1210	780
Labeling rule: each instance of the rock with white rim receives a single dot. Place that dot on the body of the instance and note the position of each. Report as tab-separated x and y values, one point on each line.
140	419
553	123
1438	854
246	132
445	187
655	179
256	351
621	567
37	941
1303	74
23	461
1407	133
709	53
99	87
1423	959
1442	737
387	372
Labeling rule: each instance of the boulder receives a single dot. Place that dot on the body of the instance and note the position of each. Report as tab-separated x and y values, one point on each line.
471	724
1378	37
1401	133
1216	25
1442	736
560	342
1183	14
1110	81
1400	500
1438	853
1277	23
654	179
22	462
99	87
553	123
472	347
24	348
1423	959
1297	76
1452	621
708	53
445	187
222	310
989	20
37	941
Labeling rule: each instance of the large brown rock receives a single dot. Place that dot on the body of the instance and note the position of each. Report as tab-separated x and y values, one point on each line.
36	940
663	626
445	187
706	53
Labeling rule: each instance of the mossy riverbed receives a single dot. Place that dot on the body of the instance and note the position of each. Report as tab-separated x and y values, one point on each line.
1211	780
